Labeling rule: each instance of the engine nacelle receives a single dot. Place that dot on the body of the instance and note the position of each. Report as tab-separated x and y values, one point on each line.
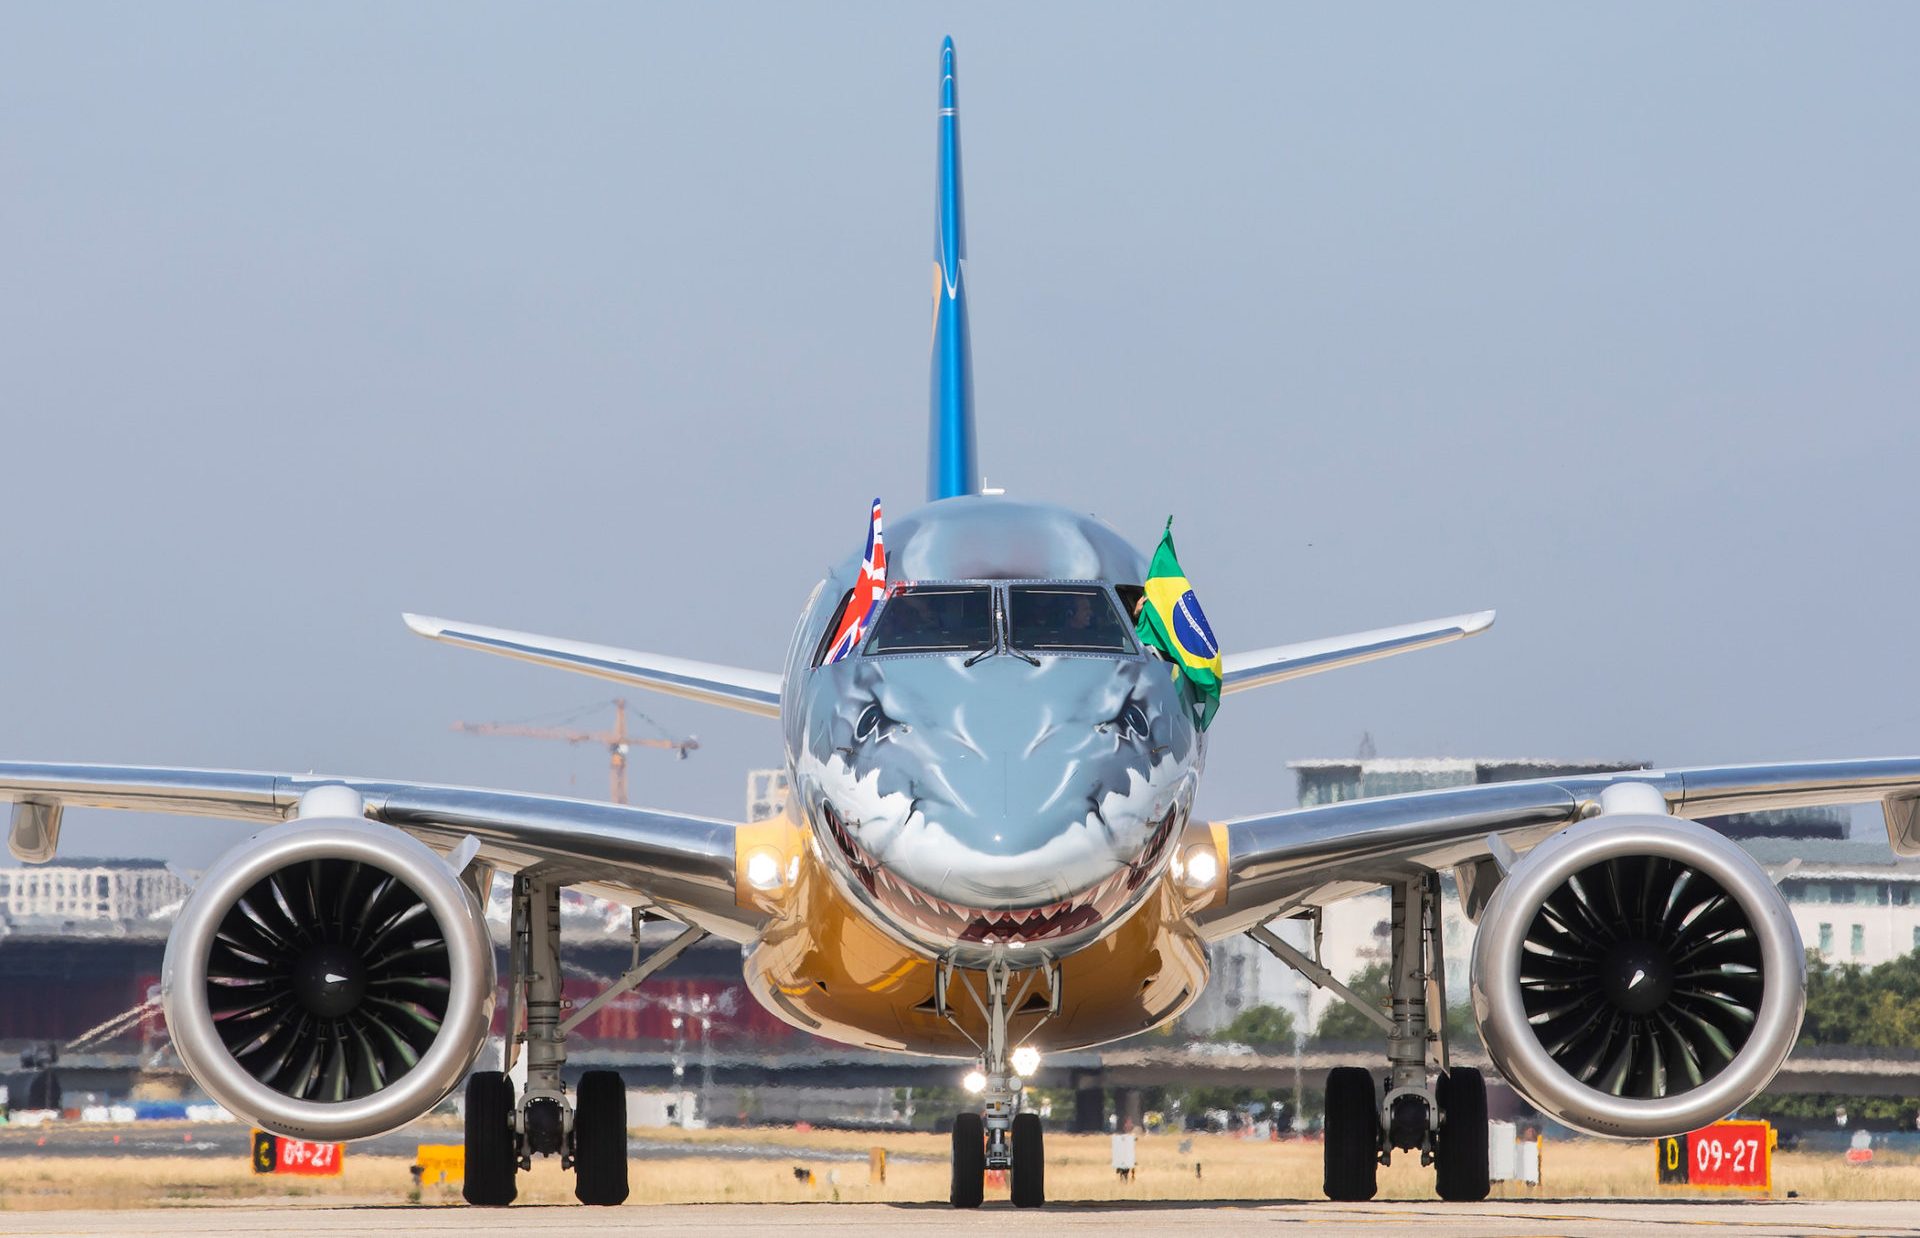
1638	975
329	979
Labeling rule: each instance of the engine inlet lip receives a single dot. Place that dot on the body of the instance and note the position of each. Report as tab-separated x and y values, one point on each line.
1502	1014
470	998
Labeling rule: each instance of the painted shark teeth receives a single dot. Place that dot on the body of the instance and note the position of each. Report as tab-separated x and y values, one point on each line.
936	915
950	921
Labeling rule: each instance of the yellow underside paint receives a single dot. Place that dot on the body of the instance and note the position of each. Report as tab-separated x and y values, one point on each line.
824	965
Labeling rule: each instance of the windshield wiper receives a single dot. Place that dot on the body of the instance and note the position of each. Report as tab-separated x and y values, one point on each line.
999	630
1002	639
990	650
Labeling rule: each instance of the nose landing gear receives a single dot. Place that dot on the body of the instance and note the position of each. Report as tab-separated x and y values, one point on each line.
1028	1179
969	1161
1001	1137
1019	1149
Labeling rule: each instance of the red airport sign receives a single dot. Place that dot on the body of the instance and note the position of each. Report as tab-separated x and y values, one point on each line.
276	1154
1724	1156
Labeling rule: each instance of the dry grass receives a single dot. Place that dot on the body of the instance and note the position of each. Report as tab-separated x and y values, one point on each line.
1078	1168
34	1183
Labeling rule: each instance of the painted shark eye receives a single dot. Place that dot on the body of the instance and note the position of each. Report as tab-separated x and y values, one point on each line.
1129	723
873	723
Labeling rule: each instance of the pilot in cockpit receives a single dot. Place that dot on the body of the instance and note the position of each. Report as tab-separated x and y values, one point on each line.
1078	621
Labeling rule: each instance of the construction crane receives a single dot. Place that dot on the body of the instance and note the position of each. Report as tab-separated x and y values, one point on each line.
617	741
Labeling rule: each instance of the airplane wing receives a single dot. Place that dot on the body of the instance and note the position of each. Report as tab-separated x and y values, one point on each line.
1259	667
681	866
756	692
1307	857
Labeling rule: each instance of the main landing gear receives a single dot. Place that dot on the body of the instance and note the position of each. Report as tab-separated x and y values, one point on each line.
1445	1120
588	1134
1001	1137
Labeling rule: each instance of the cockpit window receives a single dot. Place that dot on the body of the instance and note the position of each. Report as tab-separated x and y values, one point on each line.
935	619
1065	619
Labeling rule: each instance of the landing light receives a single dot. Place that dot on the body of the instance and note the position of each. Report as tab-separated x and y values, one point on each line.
1026	1060
975	1082
1202	867
763	870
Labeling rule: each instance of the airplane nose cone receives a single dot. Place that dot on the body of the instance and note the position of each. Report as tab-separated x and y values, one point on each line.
1009	788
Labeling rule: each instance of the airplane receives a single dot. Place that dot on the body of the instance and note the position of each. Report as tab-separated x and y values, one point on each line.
988	853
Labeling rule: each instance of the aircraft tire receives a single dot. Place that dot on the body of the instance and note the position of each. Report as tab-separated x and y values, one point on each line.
1352	1145
1029	1177
493	1156
600	1139
1460	1144
969	1161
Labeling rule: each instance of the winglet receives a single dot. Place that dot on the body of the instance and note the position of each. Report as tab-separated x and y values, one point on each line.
424	625
953	466
755	692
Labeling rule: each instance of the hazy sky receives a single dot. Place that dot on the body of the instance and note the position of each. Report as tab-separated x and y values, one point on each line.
608	321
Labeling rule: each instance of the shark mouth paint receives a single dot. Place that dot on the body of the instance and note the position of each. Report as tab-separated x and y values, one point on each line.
1004	926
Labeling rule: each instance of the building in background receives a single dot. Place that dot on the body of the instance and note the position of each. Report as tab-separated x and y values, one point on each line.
1330	781
1853	899
97	893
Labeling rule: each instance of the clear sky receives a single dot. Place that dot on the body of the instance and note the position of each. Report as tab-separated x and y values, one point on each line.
607	321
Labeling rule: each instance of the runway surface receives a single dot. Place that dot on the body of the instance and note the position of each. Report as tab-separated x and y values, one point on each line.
1494	1219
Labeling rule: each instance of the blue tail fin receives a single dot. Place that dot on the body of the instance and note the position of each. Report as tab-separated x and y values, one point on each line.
953	466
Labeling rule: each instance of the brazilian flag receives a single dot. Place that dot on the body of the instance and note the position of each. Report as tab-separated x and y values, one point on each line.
1173	623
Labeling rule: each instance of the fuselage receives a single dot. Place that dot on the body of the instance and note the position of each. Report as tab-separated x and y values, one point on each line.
1000	772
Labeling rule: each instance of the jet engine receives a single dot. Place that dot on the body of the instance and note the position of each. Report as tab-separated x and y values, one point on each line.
329	979
1638	975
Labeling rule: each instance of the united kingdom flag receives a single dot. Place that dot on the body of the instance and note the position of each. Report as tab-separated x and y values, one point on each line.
866	594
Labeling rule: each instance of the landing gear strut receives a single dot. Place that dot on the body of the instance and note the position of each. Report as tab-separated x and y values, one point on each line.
1445	1120
588	1134
1002	1137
